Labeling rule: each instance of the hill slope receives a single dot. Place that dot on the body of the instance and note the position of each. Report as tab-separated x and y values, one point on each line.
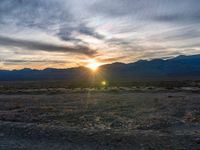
181	67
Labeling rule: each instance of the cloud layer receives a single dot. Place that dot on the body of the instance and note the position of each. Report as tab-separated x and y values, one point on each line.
103	29
33	45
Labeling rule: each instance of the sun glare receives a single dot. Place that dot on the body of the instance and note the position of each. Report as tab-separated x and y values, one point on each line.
103	83
93	64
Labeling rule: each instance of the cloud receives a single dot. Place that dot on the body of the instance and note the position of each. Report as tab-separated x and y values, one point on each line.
113	59
129	28
35	14
180	11
66	33
183	34
33	45
83	29
118	42
23	62
32	61
46	15
117	8
179	17
183	11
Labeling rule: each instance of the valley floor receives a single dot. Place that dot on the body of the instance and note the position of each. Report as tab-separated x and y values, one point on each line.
115	119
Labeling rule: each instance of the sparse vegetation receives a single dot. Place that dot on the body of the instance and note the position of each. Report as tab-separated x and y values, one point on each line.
125	111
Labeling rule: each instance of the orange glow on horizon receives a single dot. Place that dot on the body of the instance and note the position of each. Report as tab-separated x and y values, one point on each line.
93	64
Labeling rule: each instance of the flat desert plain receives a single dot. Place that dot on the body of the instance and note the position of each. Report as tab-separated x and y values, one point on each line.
118	118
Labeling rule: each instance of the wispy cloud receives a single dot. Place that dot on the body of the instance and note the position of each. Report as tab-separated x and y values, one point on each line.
32	61
104	29
33	45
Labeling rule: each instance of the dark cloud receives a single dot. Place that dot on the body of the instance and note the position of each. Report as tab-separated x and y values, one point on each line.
32	61
183	11
66	33
168	18
83	29
180	11
33	45
22	62
179	18
34	13
117	8
44	15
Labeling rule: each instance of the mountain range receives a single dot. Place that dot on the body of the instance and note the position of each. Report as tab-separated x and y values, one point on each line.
177	68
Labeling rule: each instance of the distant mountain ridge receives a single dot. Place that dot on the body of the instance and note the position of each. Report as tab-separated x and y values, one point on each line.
186	67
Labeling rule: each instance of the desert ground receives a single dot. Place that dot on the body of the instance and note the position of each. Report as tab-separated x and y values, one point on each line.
113	118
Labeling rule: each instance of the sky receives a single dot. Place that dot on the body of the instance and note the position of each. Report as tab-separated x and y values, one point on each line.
69	33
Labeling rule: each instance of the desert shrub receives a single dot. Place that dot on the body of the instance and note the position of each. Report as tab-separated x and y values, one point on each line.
190	117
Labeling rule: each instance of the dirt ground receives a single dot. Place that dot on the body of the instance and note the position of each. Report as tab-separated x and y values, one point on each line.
61	119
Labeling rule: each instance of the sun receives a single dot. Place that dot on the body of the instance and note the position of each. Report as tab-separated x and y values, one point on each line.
93	64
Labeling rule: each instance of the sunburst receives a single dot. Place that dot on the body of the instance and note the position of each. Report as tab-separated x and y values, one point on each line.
93	64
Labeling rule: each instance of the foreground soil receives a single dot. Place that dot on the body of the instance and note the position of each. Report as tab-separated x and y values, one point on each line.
115	119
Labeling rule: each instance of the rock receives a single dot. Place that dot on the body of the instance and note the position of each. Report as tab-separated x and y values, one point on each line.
1	134
116	124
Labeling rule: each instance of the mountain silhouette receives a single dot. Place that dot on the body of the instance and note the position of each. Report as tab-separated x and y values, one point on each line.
181	67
